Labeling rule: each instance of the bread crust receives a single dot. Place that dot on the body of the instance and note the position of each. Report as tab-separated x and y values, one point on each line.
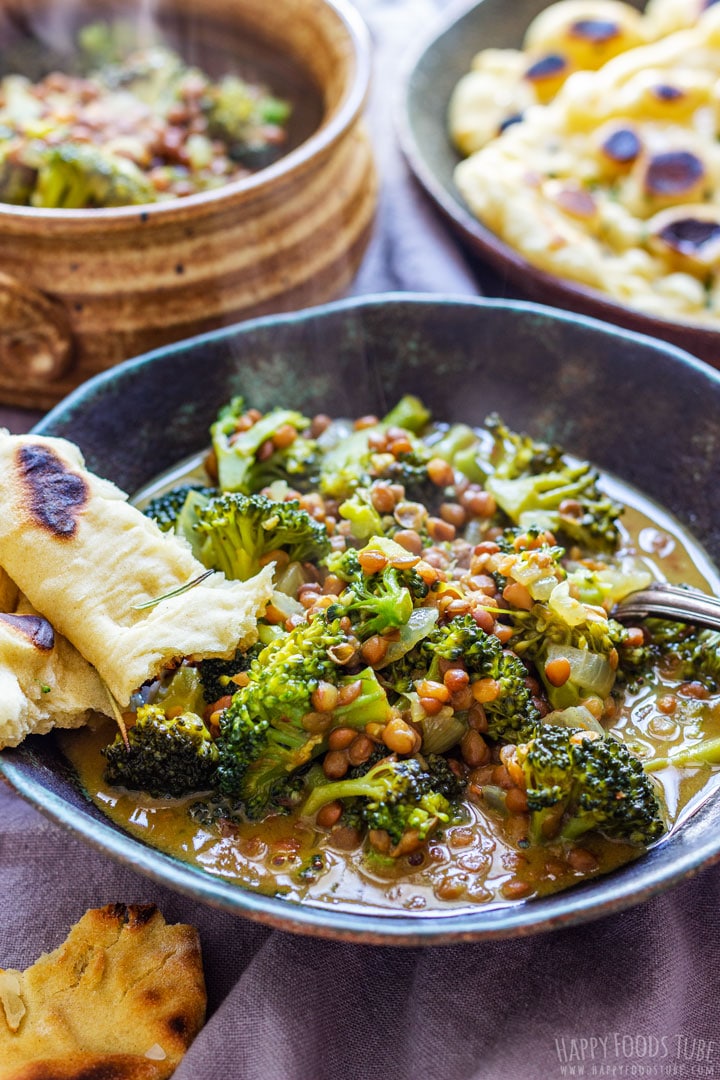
122	986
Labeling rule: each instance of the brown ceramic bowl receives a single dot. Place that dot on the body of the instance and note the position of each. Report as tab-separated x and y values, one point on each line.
434	72
81	290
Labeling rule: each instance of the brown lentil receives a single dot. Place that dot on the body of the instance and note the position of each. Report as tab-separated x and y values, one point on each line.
360	750
399	737
516	889
316	723
479	503
266	450
456	679
348	693
373	650
454	514
346	837
439	530
582	860
485	690
333	585
335	764
372	562
320	422
410	540
340	738
517	595
431	689
516	801
484	619
329	814
441	473
431	706
324	697
365	422
474	749
382	498
694	690
285	436
667	704
558	671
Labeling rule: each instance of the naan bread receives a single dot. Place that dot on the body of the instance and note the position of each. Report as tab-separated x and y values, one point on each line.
122	998
86	559
44	681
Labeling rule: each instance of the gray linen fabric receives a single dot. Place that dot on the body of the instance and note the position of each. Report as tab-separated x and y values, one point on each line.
632	995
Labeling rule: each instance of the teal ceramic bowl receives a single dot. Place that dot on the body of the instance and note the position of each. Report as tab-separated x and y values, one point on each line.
433	73
609	395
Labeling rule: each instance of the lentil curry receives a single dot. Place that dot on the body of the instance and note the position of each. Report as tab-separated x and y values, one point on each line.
440	710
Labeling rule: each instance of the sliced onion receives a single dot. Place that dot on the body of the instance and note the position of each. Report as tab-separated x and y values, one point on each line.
288	605
588	670
571	611
439	732
575	716
418	626
290	579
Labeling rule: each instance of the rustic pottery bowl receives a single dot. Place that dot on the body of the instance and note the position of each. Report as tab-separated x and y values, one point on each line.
422	119
81	290
598	390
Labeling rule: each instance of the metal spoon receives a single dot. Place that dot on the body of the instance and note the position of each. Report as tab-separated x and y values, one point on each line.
670	602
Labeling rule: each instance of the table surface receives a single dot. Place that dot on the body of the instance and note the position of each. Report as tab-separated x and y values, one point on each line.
636	994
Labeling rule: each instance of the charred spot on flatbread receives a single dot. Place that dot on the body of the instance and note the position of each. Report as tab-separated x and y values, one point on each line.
37	630
132	916
56	496
596	31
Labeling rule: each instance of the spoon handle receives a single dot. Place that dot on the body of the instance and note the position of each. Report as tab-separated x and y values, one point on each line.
670	602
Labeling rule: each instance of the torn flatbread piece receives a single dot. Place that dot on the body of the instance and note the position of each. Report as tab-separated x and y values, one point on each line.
87	560
122	998
44	681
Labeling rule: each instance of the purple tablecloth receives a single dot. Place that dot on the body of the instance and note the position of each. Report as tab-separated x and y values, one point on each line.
635	995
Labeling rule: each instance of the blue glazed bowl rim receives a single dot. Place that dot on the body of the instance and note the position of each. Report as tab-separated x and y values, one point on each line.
600	897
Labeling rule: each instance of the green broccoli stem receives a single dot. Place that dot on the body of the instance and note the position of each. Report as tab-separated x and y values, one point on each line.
706	752
360	787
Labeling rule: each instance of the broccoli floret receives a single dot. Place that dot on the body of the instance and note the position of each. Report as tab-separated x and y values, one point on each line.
535	484
511	713
686	653
164	757
75	176
216	674
379	602
399	798
411	470
444	780
240	116
238	450
577	783
262	739
353	463
238	531
165	509
364	519
566	628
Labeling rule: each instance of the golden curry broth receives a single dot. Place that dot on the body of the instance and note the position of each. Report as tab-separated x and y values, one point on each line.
471	862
